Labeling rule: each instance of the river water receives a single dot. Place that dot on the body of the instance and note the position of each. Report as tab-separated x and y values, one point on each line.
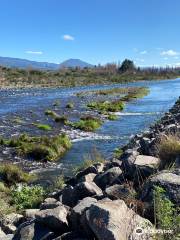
30	104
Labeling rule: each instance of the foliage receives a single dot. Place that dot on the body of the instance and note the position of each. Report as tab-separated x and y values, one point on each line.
118	152
44	127
165	212
27	196
12	174
112	117
107	106
41	148
127	65
87	123
59	183
168	150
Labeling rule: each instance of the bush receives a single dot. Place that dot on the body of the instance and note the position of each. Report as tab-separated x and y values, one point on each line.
106	106
118	152
166	216
27	197
168	150
12	174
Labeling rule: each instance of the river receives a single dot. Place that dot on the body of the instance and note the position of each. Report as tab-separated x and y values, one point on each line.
30	104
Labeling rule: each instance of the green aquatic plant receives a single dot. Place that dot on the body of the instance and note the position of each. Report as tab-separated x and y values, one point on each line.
107	106
118	152
41	148
70	105
88	123
112	117
44	127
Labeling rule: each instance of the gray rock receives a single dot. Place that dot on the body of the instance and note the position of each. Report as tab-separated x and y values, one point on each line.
33	231
9	222
30	213
113	220
2	234
71	196
55	219
120	191
71	236
88	178
168	180
49	203
79	209
109	177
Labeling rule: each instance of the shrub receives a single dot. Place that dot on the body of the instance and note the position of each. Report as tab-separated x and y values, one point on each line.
118	152
168	150
166	216
27	196
12	174
59	183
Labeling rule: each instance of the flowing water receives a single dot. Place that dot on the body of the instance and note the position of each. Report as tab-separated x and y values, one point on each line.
29	105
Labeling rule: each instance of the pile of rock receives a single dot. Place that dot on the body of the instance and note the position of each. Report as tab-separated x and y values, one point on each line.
105	201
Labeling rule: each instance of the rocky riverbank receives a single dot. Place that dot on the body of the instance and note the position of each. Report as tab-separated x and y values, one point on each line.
112	200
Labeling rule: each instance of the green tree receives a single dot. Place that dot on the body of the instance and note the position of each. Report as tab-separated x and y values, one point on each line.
127	65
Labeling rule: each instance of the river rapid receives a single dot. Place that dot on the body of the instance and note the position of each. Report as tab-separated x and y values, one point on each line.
20	108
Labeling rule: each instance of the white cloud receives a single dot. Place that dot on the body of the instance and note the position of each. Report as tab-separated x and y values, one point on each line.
166	58
176	57
34	52
140	60
169	53
68	37
143	52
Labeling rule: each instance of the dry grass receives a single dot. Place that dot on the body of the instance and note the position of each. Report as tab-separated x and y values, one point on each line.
168	150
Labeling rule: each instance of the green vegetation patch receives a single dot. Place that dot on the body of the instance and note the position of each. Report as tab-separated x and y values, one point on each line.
12	174
88	123
41	148
70	105
44	127
107	106
112	117
136	93
168	150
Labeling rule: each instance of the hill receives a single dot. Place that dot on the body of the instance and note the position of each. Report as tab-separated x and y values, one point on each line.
24	63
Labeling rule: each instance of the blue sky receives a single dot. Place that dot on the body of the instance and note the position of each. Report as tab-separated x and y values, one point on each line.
96	31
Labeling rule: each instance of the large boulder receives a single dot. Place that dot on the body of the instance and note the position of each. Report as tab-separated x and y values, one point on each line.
55	219
9	222
113	220
139	167
32	230
70	195
109	177
88	178
72	236
118	191
49	203
168	180
79	209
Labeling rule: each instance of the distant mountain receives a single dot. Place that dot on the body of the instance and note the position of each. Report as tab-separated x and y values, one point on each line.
24	63
74	63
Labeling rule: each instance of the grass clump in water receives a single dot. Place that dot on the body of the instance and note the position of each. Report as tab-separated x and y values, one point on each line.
41	148
107	106
44	127
70	105
88	123
112	117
